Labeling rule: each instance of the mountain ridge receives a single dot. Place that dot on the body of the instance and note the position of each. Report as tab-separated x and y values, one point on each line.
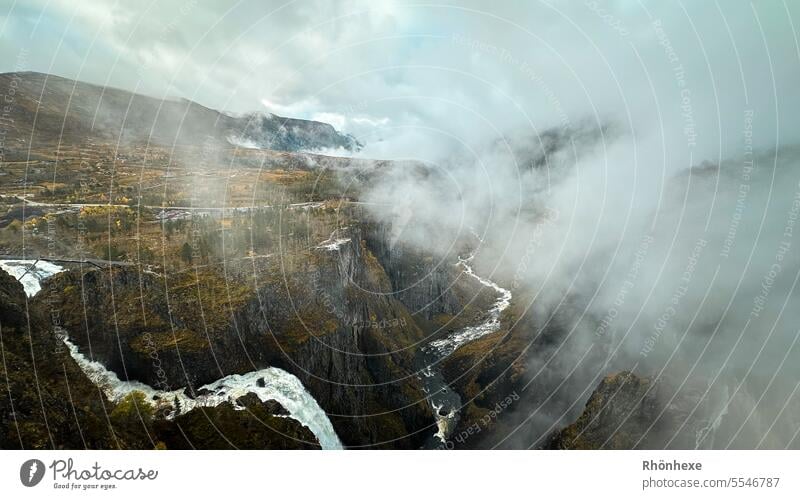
46	108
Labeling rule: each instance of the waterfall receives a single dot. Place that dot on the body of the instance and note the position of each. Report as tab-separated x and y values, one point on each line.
268	384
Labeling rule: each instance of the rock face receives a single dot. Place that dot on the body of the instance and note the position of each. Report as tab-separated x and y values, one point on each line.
627	411
425	284
558	402
268	131
37	382
330	316
618	415
222	427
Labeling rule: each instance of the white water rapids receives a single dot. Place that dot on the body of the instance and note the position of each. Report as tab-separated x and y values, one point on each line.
268	384
451	343
445	403
29	275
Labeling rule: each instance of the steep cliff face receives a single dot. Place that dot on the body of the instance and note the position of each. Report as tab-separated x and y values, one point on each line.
334	323
432	287
39	381
269	131
328	316
618	415
627	411
47	402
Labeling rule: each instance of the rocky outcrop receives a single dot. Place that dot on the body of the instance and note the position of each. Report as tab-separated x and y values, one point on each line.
618	415
268	131
628	411
261	425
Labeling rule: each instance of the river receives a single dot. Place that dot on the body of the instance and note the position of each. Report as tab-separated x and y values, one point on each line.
446	403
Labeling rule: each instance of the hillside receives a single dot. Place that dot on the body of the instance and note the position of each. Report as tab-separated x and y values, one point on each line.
47	402
48	109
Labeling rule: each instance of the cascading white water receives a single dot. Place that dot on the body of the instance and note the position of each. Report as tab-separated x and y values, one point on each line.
445	403
31	274
268	384
451	343
333	243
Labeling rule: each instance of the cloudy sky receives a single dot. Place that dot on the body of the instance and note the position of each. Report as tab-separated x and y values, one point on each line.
671	84
418	80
